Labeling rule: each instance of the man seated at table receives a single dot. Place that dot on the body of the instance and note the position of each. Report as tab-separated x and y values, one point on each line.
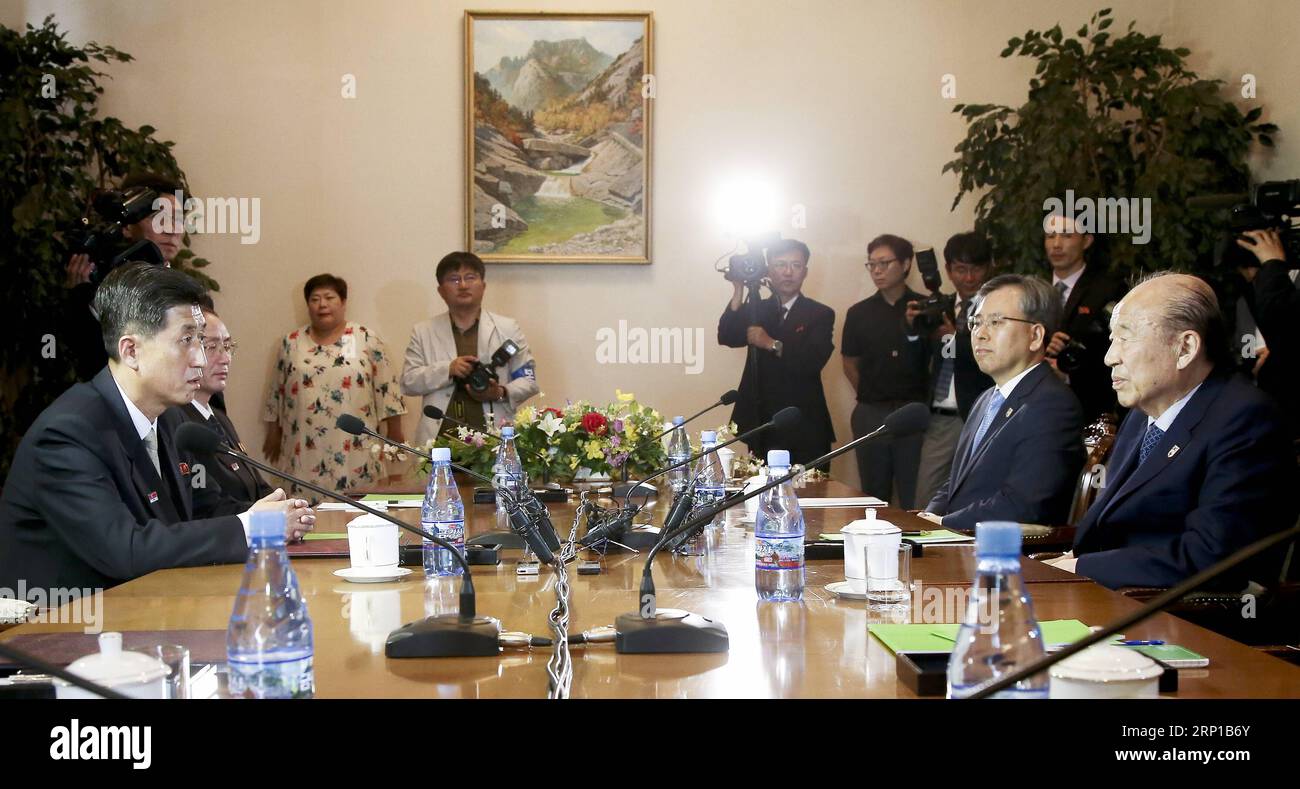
98	493
1202	465
1019	453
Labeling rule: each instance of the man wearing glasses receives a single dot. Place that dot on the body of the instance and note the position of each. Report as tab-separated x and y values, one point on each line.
234	478
444	350
886	363
792	339
1020	452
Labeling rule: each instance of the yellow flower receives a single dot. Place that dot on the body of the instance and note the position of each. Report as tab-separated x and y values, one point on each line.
624	398
573	462
525	415
593	450
629	430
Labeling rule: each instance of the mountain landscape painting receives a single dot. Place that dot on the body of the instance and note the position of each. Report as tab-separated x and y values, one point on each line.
558	138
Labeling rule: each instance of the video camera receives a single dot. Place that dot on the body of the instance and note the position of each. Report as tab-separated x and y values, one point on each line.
1269	206
751	267
104	242
934	308
480	376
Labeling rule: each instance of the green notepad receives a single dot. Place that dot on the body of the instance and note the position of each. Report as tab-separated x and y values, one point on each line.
393	497
325	536
939	536
939	638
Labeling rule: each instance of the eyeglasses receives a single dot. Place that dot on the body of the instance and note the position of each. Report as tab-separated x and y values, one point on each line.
992	321
211	346
469	279
784	265
880	265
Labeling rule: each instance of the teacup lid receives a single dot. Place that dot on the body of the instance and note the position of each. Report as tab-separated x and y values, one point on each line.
1107	663
111	666
870	524
366	520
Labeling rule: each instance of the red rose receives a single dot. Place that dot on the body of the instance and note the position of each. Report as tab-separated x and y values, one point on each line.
594	423
558	413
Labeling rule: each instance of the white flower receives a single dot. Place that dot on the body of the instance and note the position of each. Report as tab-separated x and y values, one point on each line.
550	425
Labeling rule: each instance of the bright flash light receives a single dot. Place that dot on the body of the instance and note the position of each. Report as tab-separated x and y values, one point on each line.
746	206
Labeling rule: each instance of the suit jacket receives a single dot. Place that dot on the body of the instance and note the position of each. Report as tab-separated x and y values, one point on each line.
969	381
1086	320
770	382
1277	302
84	508
1026	467
429	355
234	478
1222	476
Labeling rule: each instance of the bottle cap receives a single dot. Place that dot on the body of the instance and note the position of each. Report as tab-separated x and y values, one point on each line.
440	455
266	524
997	538
708	436
679	420
778	458
507	432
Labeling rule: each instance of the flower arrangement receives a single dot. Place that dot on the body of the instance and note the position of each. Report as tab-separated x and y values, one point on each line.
557	444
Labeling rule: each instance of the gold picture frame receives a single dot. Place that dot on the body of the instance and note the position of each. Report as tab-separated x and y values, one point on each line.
558	132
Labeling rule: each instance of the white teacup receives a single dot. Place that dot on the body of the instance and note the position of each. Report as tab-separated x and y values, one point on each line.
372	542
881	537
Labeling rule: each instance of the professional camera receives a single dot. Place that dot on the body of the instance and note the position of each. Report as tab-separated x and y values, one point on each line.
934	308
1269	206
1095	334
104	242
751	267
480	376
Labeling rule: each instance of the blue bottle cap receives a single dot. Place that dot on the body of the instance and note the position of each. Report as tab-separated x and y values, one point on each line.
679	420
708	436
507	432
440	455
997	538
778	458
266	524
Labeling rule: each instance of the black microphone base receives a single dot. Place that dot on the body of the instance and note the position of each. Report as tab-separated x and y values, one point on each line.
445	636
672	630
506	539
621	490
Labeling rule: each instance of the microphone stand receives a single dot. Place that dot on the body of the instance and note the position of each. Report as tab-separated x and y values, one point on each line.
652	630
1156	605
448	635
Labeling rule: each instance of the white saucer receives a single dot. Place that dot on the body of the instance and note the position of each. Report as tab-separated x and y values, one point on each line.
845	589
372	575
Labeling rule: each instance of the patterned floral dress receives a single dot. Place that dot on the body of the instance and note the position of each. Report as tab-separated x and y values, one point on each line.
313	385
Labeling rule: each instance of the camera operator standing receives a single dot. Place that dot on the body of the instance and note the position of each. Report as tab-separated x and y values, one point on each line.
1277	301
789	337
956	380
456	361
141	193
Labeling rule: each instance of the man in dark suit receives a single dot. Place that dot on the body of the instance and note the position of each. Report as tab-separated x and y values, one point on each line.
1088	294
98	493
1277	303
789	340
231	476
1019	455
1202	466
955	378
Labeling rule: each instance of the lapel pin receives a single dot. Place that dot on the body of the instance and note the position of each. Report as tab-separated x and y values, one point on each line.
153	497
1008	414
1173	451
185	468
234	466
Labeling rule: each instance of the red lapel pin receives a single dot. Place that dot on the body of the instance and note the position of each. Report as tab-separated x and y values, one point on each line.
153	497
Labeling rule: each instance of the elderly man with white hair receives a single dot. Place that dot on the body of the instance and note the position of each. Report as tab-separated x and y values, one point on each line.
1202	465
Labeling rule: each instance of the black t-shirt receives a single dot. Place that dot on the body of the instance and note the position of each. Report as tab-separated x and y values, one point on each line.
890	366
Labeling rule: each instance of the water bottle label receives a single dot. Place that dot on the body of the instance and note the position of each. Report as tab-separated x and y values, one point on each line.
778	553
451	531
284	679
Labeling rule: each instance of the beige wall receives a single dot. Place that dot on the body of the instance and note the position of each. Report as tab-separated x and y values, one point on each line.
836	102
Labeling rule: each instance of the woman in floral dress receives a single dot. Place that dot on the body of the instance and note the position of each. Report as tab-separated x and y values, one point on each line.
329	368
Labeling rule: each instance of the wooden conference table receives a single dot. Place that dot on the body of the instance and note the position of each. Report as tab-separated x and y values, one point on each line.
818	649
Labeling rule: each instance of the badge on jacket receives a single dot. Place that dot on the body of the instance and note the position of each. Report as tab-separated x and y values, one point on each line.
153	497
185	469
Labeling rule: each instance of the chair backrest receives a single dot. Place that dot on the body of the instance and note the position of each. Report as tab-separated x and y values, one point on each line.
1099	438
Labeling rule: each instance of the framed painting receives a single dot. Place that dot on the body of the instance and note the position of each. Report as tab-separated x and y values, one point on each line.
557	153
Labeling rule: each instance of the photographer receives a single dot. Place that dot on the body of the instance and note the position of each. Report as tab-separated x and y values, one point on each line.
82	331
956	381
1277	301
1078	351
473	364
789	337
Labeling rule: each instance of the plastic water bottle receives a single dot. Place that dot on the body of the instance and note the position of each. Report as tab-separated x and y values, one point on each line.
679	449
999	633
443	514
269	641
778	537
508	472
710	482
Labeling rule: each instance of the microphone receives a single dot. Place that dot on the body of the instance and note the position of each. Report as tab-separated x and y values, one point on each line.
523	515
450	635
649	630
782	420
1156	605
